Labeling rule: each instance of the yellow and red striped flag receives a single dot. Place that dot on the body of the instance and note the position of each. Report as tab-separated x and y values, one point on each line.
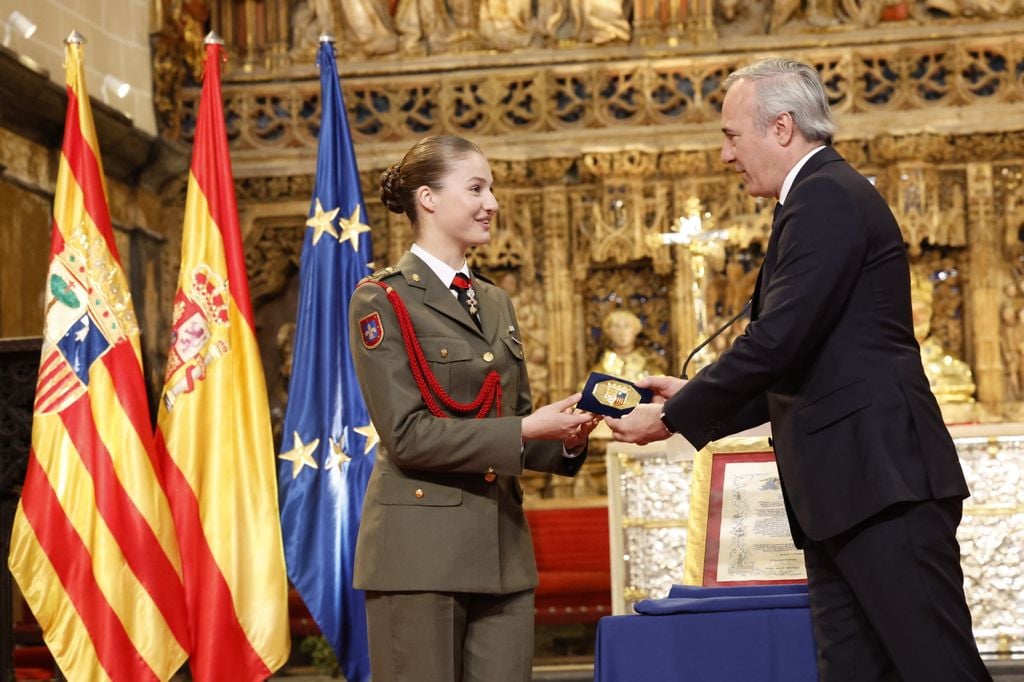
93	546
214	425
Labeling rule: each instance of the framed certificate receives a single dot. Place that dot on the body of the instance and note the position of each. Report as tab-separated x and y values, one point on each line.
738	533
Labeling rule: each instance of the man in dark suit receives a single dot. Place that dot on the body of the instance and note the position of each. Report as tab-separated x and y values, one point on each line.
871	479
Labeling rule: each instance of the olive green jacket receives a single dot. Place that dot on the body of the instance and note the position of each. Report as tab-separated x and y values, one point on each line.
443	509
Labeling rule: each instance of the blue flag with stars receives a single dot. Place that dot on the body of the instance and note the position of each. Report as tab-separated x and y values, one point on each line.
328	443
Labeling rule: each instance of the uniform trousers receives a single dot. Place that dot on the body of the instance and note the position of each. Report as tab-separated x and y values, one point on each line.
887	599
450	636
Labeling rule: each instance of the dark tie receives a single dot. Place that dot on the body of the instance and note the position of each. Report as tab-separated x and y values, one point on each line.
463	289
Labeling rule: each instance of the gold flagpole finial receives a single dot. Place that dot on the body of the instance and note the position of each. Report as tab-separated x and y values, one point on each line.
327	37
213	39
75	38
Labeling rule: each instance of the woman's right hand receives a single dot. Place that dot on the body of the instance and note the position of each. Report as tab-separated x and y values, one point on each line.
556	421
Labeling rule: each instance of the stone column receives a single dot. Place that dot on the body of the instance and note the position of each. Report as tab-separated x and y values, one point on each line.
985	266
564	311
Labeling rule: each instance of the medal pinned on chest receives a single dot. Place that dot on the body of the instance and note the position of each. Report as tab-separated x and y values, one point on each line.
471	301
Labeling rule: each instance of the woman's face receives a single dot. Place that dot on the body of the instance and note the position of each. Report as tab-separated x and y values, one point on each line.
464	206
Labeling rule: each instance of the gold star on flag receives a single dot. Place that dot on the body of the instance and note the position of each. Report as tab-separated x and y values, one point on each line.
321	222
337	456
301	455
352	227
372	438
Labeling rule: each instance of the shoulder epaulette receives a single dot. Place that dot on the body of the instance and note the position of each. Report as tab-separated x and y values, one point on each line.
383	273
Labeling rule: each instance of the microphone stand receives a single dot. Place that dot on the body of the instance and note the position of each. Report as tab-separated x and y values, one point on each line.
711	338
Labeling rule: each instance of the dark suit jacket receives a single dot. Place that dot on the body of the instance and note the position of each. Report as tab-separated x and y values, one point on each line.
431	519
830	358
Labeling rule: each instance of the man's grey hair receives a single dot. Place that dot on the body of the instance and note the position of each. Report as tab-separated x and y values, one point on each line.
788	86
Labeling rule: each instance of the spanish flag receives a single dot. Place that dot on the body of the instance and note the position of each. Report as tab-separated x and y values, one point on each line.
214	428
93	547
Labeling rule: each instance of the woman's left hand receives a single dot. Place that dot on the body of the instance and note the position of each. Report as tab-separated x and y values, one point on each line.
575	443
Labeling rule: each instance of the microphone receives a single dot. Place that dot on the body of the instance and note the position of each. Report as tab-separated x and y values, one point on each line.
711	338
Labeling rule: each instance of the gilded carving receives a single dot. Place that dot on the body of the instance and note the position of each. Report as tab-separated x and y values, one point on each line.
929	206
512	236
272	254
638	292
309	19
596	149
585	21
367	26
507	24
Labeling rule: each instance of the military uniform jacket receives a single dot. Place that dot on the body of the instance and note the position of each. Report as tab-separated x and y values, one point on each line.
432	521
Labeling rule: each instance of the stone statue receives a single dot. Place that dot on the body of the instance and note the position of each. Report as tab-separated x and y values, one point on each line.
729	10
981	8
367	26
1011	346
624	358
950	379
423	25
586	21
310	18
507	24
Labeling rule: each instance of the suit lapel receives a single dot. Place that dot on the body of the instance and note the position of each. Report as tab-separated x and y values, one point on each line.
771	256
489	312
435	294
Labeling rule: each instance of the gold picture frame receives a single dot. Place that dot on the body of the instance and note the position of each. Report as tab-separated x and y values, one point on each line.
737	509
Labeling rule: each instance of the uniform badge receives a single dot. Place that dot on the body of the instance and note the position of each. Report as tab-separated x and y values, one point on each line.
372	330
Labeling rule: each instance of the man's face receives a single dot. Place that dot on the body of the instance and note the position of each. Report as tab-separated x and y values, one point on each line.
752	152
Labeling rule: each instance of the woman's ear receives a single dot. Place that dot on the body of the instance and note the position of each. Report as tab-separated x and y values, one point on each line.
425	198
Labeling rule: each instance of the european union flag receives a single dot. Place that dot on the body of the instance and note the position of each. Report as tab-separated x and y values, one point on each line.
327	449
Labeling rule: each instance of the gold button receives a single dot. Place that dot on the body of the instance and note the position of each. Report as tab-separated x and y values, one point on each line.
444	352
419	493
415	277
488	356
490	476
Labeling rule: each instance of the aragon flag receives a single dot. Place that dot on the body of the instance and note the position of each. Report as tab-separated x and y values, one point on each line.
214	427
93	547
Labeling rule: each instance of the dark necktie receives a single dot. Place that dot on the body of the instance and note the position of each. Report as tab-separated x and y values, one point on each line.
463	289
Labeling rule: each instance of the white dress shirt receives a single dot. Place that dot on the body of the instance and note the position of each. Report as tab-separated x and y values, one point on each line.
787	184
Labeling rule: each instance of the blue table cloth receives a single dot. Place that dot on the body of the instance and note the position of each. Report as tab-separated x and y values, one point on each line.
741	634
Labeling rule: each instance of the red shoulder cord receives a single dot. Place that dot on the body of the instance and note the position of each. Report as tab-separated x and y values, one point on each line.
490	392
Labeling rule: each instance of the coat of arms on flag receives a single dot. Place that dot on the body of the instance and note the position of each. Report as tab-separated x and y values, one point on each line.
195	342
85	316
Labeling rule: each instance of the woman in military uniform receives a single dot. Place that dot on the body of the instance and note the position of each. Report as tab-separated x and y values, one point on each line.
444	552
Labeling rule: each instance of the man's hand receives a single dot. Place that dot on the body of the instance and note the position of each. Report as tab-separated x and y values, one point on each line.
663	387
642	425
